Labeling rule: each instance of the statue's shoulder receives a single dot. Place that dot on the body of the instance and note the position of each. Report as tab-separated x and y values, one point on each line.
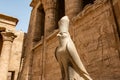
57	50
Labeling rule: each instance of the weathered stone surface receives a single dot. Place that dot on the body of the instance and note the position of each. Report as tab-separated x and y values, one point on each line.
37	64
98	45
73	7
16	53
13	48
51	63
50	16
8	22
8	38
95	31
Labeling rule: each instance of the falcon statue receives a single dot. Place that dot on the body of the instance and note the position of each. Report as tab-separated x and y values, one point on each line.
67	55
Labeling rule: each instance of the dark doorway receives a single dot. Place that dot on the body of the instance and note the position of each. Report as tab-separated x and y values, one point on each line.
11	75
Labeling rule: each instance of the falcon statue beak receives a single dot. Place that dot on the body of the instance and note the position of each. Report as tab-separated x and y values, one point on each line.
58	35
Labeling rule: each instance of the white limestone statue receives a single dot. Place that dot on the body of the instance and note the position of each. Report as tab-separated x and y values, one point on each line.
67	55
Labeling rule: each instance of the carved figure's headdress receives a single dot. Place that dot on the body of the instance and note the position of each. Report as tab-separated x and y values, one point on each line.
63	24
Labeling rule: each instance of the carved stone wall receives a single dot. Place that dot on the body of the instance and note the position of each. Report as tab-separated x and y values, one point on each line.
50	61
37	63
26	68
95	31
96	42
116	9
11	47
73	7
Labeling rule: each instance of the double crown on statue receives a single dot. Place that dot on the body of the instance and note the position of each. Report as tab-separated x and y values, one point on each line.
63	24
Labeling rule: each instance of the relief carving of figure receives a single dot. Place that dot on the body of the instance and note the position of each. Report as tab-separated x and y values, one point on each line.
67	55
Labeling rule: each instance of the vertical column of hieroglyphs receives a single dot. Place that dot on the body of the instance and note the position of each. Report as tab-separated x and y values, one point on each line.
8	38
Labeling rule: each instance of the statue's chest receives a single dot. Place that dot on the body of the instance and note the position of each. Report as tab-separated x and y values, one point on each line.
63	53
61	50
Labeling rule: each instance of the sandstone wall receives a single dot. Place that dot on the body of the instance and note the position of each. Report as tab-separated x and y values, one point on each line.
97	42
116	8
37	63
44	62
26	58
8	24
50	62
95	32
95	37
16	53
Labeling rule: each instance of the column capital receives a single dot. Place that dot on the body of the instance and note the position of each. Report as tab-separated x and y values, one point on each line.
49	4
8	36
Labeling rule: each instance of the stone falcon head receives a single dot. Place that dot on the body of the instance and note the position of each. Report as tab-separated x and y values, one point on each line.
63	27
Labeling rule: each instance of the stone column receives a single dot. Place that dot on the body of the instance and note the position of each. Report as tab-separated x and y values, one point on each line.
50	7
8	38
39	23
73	7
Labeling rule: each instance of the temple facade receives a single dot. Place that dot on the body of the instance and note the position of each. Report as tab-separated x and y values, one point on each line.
11	48
94	28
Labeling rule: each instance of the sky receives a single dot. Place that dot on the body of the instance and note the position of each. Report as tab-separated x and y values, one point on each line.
19	9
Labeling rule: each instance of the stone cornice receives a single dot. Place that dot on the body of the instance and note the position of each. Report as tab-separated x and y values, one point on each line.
8	18
8	36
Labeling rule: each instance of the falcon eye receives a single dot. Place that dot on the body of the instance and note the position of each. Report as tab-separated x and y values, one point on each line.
61	33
